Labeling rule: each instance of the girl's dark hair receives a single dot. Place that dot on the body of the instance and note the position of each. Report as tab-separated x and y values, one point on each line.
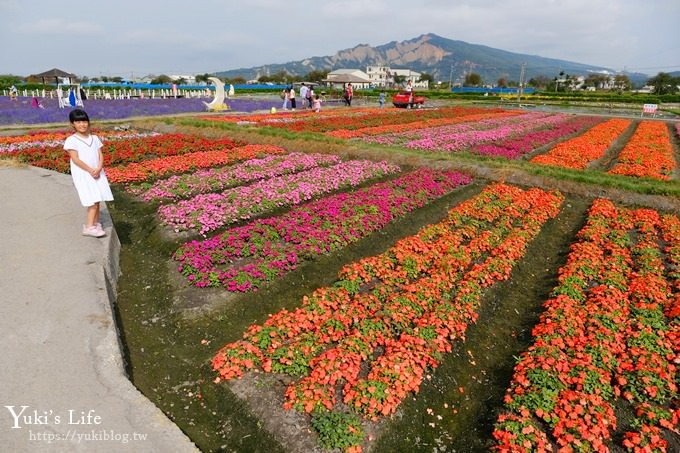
78	115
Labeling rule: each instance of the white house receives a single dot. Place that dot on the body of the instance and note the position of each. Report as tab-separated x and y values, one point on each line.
384	76
379	76
413	76
190	79
340	77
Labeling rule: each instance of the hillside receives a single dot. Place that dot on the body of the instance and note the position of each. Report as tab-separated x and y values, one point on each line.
441	57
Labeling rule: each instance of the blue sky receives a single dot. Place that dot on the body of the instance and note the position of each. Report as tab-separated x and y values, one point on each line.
135	38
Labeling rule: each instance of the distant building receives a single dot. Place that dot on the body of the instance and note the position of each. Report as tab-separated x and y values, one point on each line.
382	76
341	77
54	76
189	79
413	76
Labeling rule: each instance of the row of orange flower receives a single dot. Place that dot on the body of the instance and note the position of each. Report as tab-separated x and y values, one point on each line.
580	151
649	152
604	336
463	117
355	120
395	313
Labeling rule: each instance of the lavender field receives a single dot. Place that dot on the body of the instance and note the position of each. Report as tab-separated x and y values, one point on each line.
21	111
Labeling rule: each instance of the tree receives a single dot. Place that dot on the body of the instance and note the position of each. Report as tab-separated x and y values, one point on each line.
597	81
622	82
161	80
540	82
502	83
9	80
203	77
317	75
280	77
473	80
237	80
425	77
398	79
664	83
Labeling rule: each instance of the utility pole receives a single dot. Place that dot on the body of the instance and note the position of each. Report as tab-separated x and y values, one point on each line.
521	82
450	78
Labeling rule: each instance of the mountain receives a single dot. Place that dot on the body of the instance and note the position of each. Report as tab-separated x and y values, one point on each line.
442	58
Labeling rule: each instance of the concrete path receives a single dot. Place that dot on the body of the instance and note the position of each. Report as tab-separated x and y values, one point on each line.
63	387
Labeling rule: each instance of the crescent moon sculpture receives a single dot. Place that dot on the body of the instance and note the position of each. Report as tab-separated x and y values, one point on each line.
218	102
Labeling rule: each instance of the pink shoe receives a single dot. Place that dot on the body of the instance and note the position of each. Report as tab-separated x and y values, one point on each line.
93	231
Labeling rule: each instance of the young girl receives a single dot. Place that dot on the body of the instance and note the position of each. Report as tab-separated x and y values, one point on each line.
87	163
316	105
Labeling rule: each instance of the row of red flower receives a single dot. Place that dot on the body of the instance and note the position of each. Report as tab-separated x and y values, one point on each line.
154	168
122	152
603	336
395	313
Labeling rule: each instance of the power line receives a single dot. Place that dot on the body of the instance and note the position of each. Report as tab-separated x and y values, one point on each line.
658	67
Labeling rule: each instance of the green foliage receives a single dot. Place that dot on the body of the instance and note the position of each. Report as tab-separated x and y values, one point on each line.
7	80
161	79
425	77
664	83
472	80
338	429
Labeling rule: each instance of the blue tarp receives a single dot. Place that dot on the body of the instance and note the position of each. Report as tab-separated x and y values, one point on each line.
496	90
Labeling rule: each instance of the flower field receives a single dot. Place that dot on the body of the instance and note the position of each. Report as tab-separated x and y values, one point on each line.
275	246
399	280
574	142
411	303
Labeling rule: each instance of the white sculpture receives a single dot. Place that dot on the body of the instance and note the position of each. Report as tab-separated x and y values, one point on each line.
217	104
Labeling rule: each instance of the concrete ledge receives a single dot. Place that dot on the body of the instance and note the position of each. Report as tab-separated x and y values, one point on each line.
64	386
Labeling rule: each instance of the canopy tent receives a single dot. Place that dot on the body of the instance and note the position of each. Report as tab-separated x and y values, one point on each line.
53	76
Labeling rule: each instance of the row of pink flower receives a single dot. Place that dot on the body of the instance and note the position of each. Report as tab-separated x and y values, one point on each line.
490	130
517	146
246	257
425	131
219	179
451	139
648	153
439	132
208	212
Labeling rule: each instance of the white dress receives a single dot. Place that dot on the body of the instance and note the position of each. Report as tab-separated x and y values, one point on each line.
90	190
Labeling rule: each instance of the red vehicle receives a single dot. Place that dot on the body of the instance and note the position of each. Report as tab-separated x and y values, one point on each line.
404	99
